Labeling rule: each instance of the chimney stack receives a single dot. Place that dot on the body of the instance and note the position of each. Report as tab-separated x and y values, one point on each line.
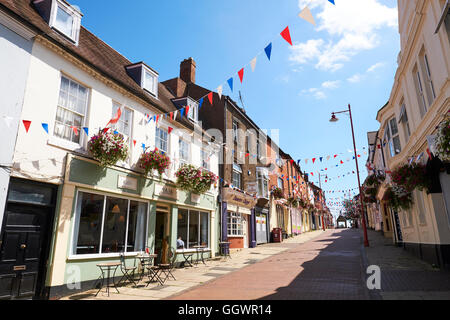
187	70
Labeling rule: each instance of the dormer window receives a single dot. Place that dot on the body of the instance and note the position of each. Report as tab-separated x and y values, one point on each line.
145	77
60	16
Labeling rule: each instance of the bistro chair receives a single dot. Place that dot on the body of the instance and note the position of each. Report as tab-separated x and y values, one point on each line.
187	256
128	272
166	268
154	272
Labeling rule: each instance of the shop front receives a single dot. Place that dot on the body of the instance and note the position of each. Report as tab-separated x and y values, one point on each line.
296	217
104	213
262	221
238	219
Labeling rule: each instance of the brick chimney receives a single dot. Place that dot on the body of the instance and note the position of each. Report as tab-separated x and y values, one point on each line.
187	70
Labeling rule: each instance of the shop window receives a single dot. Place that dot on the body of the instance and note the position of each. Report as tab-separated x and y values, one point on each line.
193	226
71	110
109	225
235	224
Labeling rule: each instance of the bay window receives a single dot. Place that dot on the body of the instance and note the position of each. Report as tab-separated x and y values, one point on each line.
105	224
193	228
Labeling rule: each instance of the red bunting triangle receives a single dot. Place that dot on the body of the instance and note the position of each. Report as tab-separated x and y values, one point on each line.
241	74
171	116
134	143
342	162
210	98
105	130
75	130
286	35
170	129
187	110
27	124
157	118
314	159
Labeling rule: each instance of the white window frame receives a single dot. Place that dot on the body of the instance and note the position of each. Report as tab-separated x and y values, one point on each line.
261	178
423	108
404	120
153	91
186	245
181	160
234	224
76	16
204	159
157	137
238	171
76	223
193	111
390	141
428	74
235	125
62	142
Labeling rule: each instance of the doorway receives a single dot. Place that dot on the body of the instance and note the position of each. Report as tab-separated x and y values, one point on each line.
25	239
162	230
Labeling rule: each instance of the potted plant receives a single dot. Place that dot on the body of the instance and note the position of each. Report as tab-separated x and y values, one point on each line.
277	193
154	160
197	180
443	139
108	147
399	198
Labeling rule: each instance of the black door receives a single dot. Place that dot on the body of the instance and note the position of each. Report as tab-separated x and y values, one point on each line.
25	241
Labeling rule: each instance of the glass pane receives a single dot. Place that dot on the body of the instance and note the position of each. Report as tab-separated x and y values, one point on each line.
182	233
149	82
204	228
137	223
29	193
397	146
62	99
193	228
394	129
115	225
89	229
64	22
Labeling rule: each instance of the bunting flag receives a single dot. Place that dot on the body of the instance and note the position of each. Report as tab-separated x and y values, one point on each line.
241	74
253	64
175	114
268	50
86	130
134	143
332	1
181	113
313	160
75	130
307	15
187	111
200	102
219	91
105	130
171	115
143	147
169	130
116	117
26	124
210	98
8	120
45	126
286	35
230	83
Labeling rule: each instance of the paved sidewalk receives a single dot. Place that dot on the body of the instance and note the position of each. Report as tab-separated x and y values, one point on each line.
404	276
188	278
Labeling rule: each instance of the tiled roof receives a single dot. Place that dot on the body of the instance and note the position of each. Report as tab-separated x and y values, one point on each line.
92	51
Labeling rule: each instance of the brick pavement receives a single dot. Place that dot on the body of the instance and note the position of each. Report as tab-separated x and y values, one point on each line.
326	267
404	276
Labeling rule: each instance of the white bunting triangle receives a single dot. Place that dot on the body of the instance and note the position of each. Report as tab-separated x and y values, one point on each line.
219	91
253	64
306	14
8	121
175	115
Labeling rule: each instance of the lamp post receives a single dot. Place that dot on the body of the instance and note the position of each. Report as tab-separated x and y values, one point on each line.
335	119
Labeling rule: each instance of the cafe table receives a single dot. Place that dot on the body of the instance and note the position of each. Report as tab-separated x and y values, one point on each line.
107	268
200	251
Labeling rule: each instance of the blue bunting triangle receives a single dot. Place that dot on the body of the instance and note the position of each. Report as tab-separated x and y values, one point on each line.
86	129
230	83
45	126
268	50
200	102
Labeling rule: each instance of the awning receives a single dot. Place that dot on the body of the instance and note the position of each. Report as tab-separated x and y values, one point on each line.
445	12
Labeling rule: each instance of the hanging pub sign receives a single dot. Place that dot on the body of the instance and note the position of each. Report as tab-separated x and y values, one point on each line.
165	191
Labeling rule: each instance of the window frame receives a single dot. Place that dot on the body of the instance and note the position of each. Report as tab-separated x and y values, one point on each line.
186	243
237	169
235	223
76	224
167	139
153	91
76	20
180	159
60	141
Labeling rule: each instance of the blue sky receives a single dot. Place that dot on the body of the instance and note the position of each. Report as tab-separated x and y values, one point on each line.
348	57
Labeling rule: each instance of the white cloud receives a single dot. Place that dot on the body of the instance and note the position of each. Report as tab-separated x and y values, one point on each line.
331	84
315	92
351	26
355	78
375	66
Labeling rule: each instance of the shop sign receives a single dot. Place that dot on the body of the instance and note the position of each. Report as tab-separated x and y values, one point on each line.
252	187
166	191
238	198
127	183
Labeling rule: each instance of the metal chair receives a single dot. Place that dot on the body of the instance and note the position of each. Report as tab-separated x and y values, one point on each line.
167	268
128	272
154	271
187	256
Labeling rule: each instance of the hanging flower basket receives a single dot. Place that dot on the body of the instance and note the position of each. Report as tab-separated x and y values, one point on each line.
154	160
301	203
443	140
398	198
293	202
192	179
278	193
411	176
108	148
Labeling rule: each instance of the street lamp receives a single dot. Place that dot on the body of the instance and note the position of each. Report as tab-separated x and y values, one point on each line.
335	119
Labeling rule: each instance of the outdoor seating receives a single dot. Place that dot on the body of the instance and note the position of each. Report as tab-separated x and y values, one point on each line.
166	268
187	256
128	272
